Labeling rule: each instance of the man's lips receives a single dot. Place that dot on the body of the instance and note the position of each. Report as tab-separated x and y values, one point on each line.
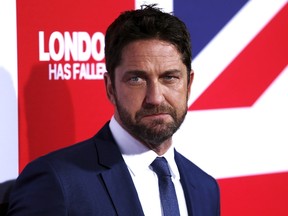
155	115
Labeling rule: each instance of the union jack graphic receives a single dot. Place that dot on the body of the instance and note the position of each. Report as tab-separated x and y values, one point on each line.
236	126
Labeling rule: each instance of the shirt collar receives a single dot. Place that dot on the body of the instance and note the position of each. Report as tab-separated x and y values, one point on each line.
137	156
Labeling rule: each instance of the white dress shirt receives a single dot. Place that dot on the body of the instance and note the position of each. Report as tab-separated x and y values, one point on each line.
138	159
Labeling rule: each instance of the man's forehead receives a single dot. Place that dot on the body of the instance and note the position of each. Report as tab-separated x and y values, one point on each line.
149	45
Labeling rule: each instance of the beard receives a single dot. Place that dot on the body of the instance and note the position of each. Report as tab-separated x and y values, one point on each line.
156	131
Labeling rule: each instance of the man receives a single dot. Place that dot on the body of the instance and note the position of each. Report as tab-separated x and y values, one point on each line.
148	58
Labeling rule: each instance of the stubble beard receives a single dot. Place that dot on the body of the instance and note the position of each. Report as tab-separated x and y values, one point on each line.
155	132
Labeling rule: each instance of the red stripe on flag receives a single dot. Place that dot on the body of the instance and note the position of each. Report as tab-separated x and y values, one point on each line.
263	195
252	71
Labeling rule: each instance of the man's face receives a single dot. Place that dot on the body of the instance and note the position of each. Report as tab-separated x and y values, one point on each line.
151	91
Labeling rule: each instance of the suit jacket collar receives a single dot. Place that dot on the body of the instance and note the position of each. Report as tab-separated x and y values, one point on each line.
116	176
119	183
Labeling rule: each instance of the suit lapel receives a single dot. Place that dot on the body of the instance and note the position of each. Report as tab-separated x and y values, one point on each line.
117	178
186	179
122	191
201	191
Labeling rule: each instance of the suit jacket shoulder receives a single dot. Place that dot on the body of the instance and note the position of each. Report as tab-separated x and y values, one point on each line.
89	178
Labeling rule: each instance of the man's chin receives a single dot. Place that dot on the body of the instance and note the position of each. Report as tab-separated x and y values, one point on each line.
156	122
157	129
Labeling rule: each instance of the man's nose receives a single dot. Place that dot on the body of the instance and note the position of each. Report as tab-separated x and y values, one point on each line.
154	93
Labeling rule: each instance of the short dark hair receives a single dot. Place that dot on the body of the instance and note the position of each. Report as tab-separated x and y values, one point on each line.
149	22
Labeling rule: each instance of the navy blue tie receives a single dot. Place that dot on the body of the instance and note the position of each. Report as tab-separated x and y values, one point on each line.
166	188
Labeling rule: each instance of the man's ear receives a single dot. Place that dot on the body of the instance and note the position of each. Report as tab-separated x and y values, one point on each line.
190	82
109	88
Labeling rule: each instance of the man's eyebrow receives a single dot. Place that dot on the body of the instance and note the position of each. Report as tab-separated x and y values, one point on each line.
135	72
172	71
141	72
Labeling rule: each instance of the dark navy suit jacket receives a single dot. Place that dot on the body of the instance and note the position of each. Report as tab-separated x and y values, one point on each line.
91	178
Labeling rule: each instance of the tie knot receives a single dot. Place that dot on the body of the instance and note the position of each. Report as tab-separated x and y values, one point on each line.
160	167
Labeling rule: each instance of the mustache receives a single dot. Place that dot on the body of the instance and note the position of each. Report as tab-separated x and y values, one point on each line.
154	110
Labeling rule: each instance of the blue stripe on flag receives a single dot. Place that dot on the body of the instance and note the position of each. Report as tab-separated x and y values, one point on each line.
205	18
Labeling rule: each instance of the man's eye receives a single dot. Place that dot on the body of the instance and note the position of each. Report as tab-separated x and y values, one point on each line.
170	78
135	80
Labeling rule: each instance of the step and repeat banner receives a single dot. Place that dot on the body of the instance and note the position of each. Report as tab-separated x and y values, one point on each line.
52	90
